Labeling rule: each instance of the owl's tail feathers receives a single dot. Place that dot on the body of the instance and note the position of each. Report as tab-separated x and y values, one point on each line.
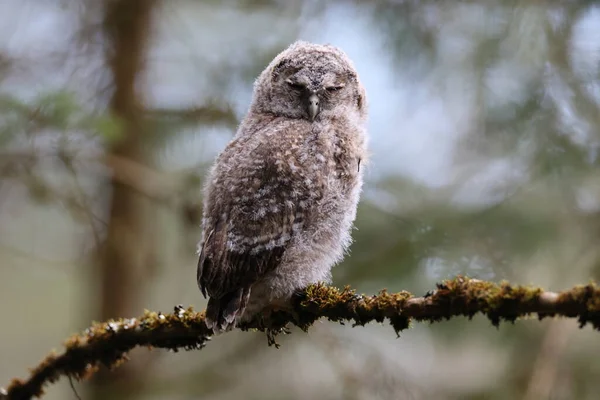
223	313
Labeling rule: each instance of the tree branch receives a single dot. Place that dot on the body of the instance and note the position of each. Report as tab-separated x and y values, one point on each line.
207	114
108	343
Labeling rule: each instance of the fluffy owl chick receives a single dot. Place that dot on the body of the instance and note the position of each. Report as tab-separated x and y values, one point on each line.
281	198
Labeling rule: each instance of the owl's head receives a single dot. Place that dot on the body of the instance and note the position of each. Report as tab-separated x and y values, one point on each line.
309	81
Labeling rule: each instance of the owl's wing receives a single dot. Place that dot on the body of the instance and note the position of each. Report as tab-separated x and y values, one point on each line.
224	267
251	222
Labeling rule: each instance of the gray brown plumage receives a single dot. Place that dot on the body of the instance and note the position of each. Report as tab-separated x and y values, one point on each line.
281	198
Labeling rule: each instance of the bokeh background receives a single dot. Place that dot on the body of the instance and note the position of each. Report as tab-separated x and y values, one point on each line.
484	137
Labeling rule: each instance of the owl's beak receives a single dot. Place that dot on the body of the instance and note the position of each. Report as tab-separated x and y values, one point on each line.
313	106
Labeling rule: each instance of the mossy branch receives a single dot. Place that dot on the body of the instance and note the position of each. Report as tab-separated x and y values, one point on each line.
108	343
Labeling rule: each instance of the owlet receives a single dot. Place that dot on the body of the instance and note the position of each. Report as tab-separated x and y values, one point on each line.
281	199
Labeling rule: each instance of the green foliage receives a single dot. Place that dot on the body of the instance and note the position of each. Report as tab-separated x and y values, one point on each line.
110	128
58	112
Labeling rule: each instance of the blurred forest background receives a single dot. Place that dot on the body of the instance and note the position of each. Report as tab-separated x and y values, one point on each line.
484	132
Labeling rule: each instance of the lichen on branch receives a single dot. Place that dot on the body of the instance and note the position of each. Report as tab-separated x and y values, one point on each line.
109	342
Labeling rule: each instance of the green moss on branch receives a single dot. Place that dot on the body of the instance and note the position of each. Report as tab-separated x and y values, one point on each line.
109	342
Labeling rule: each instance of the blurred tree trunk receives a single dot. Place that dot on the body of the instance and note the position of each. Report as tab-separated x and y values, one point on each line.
123	256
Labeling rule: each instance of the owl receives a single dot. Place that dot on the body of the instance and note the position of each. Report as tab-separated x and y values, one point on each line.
280	200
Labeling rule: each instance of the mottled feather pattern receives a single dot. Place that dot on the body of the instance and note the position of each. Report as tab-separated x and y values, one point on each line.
281	198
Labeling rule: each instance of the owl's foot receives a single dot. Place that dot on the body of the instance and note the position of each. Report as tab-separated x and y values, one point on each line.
272	325
273	332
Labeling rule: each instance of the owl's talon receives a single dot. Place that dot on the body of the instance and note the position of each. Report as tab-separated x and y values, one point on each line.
271	334
286	330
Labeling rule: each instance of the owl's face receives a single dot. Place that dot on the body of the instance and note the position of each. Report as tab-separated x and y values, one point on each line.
311	82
